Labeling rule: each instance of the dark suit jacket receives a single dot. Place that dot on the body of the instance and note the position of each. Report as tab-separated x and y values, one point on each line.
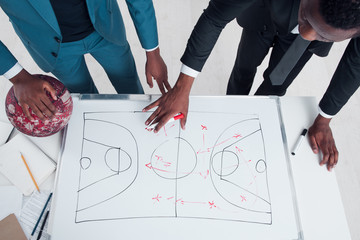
345	81
278	16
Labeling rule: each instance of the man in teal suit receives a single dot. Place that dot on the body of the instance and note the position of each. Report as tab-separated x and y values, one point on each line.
57	34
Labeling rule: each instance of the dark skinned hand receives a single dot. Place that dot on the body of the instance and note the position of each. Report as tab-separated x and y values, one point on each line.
321	139
156	69
175	101
30	91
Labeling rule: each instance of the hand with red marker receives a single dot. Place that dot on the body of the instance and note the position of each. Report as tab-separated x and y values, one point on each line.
175	101
177	117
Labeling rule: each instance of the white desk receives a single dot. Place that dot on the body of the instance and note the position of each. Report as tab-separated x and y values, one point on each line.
320	207
319	202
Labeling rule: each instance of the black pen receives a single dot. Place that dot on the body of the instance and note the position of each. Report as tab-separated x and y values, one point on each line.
42	212
43	225
299	141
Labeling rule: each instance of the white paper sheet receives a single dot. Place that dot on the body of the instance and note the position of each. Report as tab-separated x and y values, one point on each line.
5	130
12	166
31	212
10	201
224	177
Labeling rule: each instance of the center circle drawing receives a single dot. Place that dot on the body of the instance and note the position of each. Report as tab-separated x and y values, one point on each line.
224	163
165	160
117	160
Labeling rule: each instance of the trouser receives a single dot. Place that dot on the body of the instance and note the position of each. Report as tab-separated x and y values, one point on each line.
253	48
117	61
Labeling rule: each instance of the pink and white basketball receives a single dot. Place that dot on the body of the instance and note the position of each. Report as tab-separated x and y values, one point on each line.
37	127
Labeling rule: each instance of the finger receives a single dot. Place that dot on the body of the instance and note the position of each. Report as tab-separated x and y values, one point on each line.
51	90
26	111
333	157
50	107
326	156
162	120
151	106
183	122
37	112
152	119
331	162
167	84
149	80
336	155
314	145
45	109
161	87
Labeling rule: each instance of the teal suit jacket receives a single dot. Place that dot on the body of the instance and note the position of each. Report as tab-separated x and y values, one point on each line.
35	23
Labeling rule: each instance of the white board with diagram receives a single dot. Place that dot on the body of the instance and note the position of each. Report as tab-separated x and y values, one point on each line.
226	176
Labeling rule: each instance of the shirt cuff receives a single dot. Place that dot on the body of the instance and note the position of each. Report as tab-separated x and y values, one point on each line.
189	71
13	71
325	115
150	50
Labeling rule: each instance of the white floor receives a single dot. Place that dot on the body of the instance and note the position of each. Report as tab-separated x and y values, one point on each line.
175	22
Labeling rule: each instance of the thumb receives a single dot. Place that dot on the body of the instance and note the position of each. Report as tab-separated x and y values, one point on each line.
314	145
51	90
149	80
183	122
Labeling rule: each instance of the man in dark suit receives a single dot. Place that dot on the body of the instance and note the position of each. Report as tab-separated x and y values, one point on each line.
270	23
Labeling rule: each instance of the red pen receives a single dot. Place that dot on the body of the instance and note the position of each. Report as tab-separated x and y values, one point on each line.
177	117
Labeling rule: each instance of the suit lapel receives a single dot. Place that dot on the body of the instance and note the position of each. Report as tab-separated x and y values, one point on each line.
44	8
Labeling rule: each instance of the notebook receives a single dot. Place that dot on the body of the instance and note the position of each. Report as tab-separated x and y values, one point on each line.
10	229
13	167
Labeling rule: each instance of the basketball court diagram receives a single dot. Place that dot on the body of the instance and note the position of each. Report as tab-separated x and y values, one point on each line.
213	170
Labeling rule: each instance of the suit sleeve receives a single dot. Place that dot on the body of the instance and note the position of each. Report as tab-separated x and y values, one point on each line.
345	80
207	30
7	60
143	15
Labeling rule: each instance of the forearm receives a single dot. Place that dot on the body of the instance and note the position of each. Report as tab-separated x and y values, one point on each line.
345	81
20	77
320	120
184	83
152	53
206	32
